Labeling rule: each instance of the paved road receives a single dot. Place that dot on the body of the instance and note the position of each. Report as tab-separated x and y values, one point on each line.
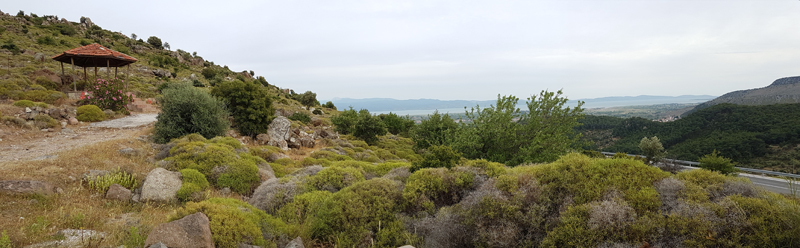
128	121
776	185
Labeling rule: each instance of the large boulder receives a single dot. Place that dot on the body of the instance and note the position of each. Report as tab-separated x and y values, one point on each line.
119	193
26	187
296	243
161	185
279	132
190	231
162	73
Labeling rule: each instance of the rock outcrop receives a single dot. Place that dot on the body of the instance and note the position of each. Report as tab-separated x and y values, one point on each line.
119	193
73	238
192	231
161	185
26	187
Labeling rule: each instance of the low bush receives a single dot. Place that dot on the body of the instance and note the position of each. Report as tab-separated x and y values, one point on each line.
361	215
218	160
186	110
233	222
194	183
432	188
301	117
303	206
437	157
334	179
107	94
44	121
102	183
24	103
397	125
715	162
90	113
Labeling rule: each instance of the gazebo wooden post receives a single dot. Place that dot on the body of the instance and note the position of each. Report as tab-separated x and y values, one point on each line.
115	72
95	72
85	76
126	76
108	68
74	82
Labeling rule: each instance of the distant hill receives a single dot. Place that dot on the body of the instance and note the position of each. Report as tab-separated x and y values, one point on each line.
784	90
428	105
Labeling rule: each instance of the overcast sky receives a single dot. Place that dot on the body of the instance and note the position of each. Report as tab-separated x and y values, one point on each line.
471	50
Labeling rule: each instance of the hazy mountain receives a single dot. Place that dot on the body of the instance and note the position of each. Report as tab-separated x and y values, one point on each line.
783	90
388	104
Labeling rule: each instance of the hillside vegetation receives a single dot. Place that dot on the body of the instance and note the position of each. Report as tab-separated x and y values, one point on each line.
765	136
782	90
266	166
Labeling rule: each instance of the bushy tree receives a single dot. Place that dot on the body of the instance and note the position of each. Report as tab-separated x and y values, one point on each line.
262	80
345	121
250	105
715	162
368	127
437	157
397	125
308	99
133	36
541	135
155	42
652	149
186	110
329	105
208	72
435	131
166	45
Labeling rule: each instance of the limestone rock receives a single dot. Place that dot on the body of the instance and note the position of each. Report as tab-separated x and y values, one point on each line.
296	243
73	238
161	185
26	187
190	231
73	121
265	172
158	245
109	113
162	73
39	57
119	193
130	151
279	132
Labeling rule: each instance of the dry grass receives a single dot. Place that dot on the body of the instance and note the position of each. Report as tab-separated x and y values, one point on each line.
33	219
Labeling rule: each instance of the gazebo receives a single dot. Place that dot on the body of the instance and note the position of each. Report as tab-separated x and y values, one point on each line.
94	55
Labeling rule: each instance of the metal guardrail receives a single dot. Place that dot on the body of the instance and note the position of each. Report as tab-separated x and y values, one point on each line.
696	164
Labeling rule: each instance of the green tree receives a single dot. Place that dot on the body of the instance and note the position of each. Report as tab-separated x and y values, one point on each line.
166	45
155	42
329	105
652	149
186	110
345	121
715	162
262	80
503	134
436	130
308	99
397	125
250	105
437	157
368	127
133	36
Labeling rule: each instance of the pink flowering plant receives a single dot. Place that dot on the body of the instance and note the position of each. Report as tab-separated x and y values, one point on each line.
108	94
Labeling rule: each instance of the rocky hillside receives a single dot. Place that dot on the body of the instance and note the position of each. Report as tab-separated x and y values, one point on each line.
783	90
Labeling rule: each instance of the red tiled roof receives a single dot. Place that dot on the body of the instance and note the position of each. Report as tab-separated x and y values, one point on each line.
94	55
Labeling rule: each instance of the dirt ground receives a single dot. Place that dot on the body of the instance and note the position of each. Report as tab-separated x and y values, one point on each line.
24	144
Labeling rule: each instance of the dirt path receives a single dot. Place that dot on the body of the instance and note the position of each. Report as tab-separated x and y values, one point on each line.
22	145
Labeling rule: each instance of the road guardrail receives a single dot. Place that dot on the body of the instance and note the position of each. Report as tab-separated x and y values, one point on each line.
696	164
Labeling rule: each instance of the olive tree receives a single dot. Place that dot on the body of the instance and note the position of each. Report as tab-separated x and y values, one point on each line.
652	149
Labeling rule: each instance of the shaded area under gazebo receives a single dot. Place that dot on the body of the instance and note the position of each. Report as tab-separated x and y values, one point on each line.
94	55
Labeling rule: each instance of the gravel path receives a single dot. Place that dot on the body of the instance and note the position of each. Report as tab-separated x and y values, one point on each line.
128	122
36	145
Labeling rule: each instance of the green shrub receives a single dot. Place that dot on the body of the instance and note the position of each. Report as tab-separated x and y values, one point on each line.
186	110
24	103
124	179
345	121
46	40
107	94
155	42
308	99
90	113
233	221
317	112
5	241
397	125
42	95
303	206
492	169
436	130
250	105
133	238
44	121
368	127
714	162
334	178
301	117
219	161
46	83
432	188
437	157
194	183
364	211
329	105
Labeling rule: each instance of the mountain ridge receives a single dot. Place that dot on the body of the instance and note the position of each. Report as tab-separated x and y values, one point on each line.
782	90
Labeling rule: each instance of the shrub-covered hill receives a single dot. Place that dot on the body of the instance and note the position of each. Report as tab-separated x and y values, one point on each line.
28	41
763	136
336	199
